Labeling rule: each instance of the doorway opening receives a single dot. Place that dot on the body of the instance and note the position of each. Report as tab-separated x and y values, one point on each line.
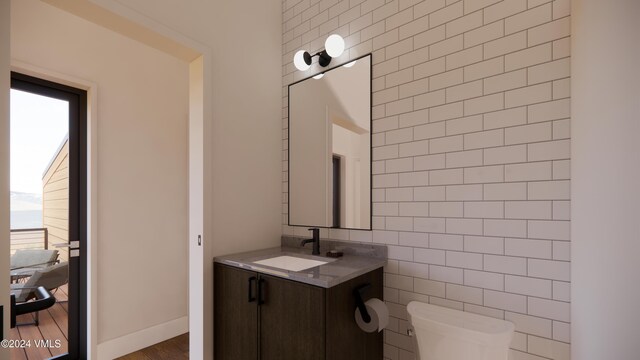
337	184
48	219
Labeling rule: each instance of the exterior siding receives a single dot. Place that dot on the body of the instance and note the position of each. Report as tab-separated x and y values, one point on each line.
55	201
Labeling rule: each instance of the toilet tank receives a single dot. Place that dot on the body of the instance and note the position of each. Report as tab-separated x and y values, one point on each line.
446	334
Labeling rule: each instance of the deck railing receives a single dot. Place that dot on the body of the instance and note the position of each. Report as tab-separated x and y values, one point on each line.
33	238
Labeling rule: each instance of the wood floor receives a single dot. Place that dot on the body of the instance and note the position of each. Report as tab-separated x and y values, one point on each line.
53	326
172	349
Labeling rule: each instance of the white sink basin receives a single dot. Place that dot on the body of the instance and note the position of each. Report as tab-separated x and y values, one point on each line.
290	263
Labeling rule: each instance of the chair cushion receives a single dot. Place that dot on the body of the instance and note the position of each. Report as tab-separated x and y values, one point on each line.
33	258
51	277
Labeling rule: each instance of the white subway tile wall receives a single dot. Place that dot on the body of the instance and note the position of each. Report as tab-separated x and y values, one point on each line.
471	155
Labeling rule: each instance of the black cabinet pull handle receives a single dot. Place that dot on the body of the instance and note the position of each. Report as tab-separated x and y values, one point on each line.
261	286
251	297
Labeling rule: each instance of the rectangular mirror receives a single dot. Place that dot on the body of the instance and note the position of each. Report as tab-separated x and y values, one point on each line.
330	148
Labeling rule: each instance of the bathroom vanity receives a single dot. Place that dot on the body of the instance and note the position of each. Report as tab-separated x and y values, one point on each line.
267	312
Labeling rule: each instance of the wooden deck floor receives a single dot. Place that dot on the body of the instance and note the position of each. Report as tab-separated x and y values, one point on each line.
53	326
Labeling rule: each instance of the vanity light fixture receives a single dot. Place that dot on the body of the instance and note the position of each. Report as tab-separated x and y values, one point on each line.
350	64
334	47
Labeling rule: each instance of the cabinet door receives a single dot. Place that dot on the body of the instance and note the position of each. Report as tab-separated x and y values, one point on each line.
292	320
235	314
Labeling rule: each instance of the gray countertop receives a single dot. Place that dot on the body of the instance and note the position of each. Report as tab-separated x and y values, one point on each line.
337	271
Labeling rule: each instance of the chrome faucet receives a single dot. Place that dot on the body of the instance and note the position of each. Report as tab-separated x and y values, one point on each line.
315	240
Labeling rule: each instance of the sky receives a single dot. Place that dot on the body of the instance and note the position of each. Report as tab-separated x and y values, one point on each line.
38	126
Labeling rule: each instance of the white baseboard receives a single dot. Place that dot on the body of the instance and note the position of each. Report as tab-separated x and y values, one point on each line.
127	344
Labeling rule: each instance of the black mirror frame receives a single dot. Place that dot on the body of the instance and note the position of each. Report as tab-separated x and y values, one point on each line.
370	55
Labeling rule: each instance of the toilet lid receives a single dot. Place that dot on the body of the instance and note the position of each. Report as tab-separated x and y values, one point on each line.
427	314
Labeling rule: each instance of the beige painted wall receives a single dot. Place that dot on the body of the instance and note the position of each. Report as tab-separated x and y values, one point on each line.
244	150
245	112
243	126
142	161
242	123
606	173
4	161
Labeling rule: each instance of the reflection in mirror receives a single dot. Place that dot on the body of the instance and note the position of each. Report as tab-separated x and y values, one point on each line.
330	148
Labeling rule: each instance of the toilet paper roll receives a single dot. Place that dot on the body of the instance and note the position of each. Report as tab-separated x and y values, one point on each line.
379	316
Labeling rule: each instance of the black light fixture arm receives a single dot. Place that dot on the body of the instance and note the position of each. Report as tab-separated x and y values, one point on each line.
324	59
333	47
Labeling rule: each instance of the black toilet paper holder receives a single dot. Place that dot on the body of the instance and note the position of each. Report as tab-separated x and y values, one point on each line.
357	292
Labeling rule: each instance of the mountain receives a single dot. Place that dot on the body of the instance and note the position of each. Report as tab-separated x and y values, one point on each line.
26	210
25	201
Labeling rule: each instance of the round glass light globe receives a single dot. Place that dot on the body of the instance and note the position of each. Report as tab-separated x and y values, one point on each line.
334	45
348	65
298	61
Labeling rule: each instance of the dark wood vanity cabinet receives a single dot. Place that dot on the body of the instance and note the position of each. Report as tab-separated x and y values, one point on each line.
289	320
235	318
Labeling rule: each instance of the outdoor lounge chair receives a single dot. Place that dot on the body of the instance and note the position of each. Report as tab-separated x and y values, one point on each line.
49	278
25	262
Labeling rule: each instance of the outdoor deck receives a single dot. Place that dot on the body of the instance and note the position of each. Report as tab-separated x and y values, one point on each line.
53	326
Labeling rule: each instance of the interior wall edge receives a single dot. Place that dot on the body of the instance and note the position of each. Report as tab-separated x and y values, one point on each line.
606	202
5	56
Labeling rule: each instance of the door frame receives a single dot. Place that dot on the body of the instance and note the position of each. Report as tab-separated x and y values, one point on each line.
92	187
77	231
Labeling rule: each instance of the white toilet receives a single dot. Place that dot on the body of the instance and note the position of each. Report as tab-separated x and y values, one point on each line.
445	334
